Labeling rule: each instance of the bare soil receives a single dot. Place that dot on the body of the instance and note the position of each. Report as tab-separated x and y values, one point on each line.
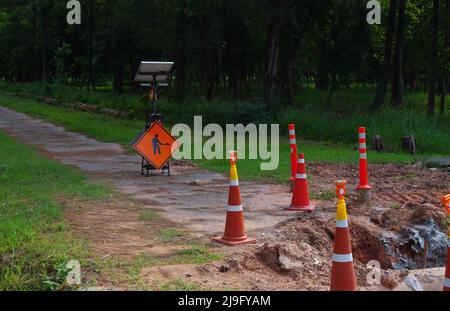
293	250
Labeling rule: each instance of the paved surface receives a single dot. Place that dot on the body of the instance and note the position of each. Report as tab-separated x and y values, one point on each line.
194	197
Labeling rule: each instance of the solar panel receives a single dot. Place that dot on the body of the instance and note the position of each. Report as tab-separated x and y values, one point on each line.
147	70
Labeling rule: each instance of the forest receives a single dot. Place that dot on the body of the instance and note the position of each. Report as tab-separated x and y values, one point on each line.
238	50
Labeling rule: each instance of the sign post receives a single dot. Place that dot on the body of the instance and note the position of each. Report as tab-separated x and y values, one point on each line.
154	143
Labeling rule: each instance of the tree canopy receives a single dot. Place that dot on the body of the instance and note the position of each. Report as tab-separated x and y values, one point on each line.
239	47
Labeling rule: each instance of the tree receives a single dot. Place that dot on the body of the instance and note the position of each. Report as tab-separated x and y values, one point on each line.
180	50
397	73
384	76
432	72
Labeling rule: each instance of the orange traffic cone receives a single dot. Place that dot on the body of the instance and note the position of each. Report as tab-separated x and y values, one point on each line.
234	225
300	197
342	272
294	154
363	191
446	202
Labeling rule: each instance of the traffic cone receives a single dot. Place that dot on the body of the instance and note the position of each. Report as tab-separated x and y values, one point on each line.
447	269
364	190
300	197
234	225
446	203
294	159
342	272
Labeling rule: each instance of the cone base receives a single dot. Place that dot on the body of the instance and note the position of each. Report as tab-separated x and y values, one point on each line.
234	243
364	194
364	187
343	278
309	209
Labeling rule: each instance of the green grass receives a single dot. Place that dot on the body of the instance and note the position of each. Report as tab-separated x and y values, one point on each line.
196	254
34	243
177	284
148	215
169	235
111	129
314	119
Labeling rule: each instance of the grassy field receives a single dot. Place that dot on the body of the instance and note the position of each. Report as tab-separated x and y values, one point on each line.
35	245
110	129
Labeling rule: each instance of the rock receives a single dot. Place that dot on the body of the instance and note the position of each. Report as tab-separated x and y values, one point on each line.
224	269
188	275
413	283
437	162
197	183
387	219
419	245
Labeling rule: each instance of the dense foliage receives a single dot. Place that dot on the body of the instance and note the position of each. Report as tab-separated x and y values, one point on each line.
242	48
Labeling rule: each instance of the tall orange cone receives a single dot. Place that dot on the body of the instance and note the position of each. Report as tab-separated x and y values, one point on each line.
446	203
294	158
364	192
234	225
342	272
300	197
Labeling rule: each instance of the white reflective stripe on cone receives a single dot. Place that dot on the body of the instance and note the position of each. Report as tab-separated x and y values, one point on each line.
342	257
292	141
341	223
291	132
301	161
362	145
447	283
363	155
362	135
234	208
300	176
234	182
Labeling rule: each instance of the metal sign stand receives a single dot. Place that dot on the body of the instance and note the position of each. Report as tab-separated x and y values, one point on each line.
151	71
152	118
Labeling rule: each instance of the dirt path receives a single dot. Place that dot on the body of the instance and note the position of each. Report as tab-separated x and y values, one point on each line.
192	197
293	250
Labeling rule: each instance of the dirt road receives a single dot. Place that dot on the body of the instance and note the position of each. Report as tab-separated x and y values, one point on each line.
293	250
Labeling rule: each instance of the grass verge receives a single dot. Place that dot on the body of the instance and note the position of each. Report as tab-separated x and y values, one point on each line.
111	129
34	243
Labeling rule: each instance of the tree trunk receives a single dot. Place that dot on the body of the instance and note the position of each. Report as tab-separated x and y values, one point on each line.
180	53
45	40
397	77
433	67
383	79
91	45
272	77
118	78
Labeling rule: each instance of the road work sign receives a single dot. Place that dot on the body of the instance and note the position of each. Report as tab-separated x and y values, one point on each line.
156	145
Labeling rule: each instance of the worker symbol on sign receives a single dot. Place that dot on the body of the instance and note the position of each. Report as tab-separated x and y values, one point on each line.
157	145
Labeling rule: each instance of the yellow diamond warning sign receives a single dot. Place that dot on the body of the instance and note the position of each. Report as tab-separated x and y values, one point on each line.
156	145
